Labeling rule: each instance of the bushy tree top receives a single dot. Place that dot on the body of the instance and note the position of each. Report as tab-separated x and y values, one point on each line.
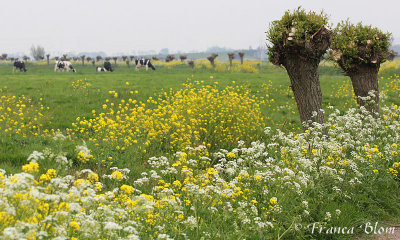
353	45
294	31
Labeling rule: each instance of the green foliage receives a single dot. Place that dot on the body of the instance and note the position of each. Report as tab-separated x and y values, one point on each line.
353	45
295	27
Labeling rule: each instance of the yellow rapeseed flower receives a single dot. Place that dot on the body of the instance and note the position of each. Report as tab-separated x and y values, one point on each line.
32	167
74	225
117	175
93	177
127	189
273	201
52	173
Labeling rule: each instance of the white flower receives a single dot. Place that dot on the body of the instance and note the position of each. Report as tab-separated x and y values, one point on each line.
338	212
111	226
35	156
164	236
12	233
59	136
328	216
191	222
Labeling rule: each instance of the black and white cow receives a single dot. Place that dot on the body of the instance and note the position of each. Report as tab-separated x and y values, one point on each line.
144	63
107	68
20	65
63	65
100	69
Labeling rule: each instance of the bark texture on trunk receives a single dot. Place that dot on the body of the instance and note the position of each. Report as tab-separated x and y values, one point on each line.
303	74
364	80
301	59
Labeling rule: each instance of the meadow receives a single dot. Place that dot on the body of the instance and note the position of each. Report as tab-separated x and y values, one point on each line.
187	153
67	96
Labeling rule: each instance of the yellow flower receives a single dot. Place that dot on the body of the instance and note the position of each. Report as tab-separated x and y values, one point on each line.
93	177
273	200
117	175
177	184
83	157
98	186
52	173
74	225
127	189
230	155
32	167
180	118
314	151
211	171
258	178
375	171
45	177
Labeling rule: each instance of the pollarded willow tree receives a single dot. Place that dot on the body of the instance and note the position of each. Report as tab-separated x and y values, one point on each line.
297	42
212	58
231	56
183	57
359	50
83	59
115	60
241	55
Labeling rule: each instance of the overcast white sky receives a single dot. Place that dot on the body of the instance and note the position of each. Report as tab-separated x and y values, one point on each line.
116	26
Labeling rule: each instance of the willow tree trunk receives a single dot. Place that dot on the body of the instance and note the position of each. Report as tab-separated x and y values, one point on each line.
303	74
212	62
364	80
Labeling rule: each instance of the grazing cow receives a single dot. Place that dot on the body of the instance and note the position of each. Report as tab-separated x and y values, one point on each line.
63	65
19	65
107	68
144	63
100	69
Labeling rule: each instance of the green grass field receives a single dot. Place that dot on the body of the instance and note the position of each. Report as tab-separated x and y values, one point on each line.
67	101
66	105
